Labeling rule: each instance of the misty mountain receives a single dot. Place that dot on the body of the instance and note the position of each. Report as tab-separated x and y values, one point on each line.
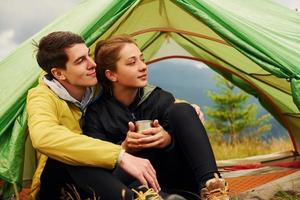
190	80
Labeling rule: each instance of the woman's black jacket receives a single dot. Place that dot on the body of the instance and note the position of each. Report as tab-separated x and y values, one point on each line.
107	119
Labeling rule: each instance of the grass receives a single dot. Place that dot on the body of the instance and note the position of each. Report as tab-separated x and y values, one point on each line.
286	195
280	195
252	147
249	147
71	193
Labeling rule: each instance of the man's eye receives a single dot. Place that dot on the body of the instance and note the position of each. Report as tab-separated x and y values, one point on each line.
79	61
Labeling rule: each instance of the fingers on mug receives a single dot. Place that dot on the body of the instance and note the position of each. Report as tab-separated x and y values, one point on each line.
141	125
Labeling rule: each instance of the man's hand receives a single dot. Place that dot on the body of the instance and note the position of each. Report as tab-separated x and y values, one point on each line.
199	112
141	169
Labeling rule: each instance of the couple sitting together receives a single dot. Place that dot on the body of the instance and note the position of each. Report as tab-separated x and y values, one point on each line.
82	118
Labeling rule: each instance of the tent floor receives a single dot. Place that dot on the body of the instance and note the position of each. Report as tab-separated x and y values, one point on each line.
263	178
263	183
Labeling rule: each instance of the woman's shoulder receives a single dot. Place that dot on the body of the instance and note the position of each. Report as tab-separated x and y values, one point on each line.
99	102
160	97
159	92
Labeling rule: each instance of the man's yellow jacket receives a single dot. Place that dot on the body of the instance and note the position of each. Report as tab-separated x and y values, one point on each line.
54	127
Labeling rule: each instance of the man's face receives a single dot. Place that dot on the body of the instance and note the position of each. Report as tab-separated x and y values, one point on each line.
80	69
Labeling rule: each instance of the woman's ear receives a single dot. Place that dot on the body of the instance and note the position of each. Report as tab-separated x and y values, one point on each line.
58	73
110	75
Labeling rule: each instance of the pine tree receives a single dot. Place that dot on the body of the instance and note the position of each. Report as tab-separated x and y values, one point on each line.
232	116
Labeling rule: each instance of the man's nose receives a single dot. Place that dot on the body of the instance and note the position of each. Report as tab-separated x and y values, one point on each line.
91	63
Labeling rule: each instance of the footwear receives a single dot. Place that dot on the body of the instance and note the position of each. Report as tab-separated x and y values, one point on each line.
145	193
175	197
215	189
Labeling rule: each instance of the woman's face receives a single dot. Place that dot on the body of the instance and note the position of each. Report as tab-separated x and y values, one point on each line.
131	70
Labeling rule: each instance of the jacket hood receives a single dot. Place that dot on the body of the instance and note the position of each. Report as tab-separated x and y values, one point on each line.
148	89
62	93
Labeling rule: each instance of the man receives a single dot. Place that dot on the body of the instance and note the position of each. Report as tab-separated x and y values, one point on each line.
55	109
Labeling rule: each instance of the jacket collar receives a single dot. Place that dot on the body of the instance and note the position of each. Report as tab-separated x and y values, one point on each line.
142	95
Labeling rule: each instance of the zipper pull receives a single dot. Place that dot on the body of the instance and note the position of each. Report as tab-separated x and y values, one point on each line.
133	117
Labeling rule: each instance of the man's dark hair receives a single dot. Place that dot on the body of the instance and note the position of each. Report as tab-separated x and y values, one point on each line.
51	49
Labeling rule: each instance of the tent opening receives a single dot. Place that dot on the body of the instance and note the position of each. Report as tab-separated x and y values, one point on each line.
192	80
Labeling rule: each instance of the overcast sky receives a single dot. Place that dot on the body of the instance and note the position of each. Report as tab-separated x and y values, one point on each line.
20	19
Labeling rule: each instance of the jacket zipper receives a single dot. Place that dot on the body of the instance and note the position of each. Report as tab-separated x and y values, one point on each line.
133	117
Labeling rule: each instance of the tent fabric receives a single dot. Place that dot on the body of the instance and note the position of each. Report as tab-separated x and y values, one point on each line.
255	44
19	72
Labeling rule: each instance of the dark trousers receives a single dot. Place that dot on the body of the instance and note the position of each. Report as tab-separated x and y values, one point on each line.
186	165
88	182
191	139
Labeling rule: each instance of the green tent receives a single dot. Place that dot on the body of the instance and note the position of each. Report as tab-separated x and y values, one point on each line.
255	44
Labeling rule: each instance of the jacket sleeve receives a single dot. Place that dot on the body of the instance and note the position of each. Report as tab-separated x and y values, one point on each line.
55	140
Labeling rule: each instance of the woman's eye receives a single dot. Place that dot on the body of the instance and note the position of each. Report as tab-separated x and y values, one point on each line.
131	63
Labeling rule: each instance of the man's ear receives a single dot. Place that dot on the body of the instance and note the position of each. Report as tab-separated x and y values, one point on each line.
111	75
58	73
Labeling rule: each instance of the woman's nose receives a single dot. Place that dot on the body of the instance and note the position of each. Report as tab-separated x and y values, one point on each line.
143	66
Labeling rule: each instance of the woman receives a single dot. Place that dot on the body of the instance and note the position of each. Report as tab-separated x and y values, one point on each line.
177	145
